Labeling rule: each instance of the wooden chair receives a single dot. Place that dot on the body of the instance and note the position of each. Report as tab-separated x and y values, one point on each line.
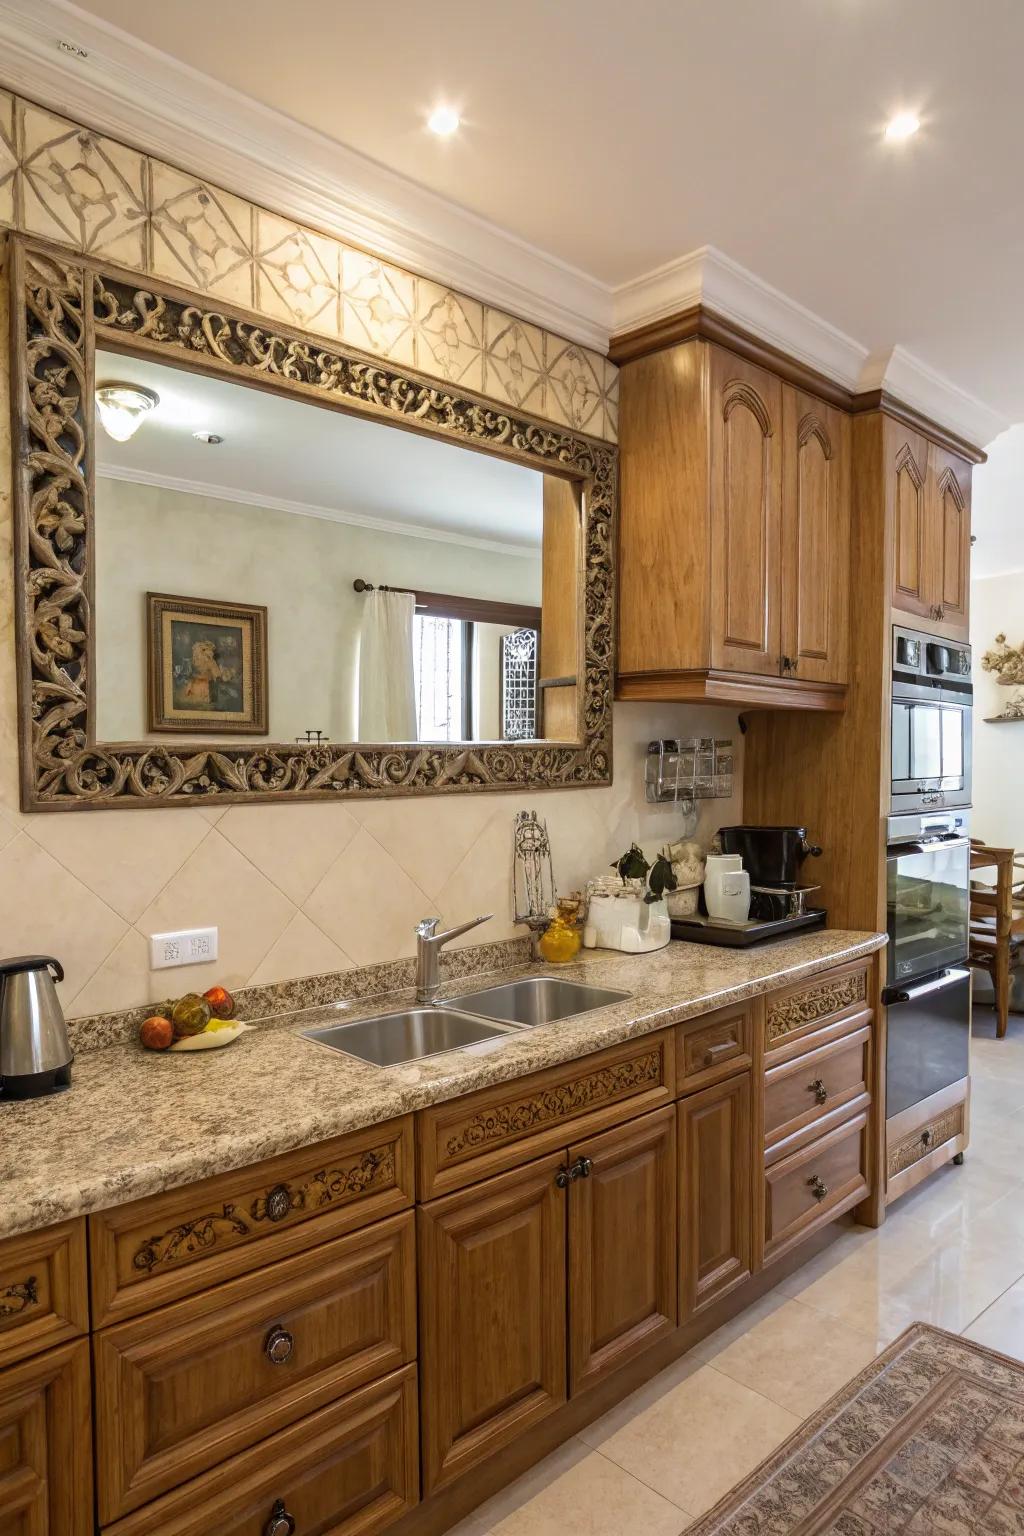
997	923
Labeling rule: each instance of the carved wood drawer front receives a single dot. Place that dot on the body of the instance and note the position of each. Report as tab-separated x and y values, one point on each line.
925	1139
180	1389
714	1046
829	996
350	1469
167	1246
470	1138
815	1184
44	1290
807	1094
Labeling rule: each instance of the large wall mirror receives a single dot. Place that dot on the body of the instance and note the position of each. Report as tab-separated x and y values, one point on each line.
253	565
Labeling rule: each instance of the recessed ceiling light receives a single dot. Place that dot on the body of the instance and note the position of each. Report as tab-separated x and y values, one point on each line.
207	437
123	407
903	126
443	121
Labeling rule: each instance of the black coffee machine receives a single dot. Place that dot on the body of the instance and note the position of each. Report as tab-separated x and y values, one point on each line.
773	856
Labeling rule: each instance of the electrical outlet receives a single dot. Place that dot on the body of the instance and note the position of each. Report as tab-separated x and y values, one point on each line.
189	946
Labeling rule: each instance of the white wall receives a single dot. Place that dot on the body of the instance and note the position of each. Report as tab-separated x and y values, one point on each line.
154	539
997	607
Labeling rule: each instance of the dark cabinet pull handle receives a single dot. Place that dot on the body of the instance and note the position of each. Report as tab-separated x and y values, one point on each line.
279	1346
564	1177
818	1089
817	1186
926	1137
280	1522
583	1168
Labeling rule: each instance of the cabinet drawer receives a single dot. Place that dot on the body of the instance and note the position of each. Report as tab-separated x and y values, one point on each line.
711	1048
797	1010
806	1094
44	1293
46	1445
350	1469
910	1147
156	1250
815	1184
485	1133
183	1387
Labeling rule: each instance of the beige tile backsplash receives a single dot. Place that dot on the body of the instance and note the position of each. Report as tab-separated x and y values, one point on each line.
293	890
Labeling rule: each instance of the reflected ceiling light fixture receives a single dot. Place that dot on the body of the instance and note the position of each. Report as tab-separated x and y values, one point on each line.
443	121
903	126
207	437
123	408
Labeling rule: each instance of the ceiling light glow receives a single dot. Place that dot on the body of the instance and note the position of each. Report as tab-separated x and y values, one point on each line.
123	408
443	121
903	126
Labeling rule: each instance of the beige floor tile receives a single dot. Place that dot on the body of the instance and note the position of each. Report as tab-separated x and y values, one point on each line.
1001	1326
699	1440
797	1357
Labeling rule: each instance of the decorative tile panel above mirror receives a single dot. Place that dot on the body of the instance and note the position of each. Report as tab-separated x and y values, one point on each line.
223	535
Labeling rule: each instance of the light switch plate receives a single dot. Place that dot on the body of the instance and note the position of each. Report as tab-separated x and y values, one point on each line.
188	946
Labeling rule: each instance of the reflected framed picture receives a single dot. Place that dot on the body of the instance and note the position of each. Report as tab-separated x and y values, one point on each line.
207	666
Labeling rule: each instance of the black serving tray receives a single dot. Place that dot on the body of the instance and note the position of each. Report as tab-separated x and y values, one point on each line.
703	930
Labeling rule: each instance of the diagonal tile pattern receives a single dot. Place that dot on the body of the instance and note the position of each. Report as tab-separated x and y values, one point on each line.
689	1435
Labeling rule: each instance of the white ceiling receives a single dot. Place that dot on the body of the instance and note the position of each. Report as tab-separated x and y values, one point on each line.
614	138
302	458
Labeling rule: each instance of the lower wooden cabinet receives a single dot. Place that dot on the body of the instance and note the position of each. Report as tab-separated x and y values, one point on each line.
622	1245
814	1185
715	1168
46	1445
181	1388
492	1284
350	1469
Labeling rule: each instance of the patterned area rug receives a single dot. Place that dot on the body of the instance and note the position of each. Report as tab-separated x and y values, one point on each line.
927	1441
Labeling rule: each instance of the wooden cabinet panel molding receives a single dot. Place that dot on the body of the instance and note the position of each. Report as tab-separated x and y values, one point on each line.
46	1444
44	1290
715	1212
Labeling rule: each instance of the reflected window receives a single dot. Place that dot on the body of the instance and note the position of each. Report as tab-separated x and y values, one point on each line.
519	685
439	661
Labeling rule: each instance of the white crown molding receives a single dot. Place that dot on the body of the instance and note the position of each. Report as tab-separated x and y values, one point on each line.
310	509
899	373
140	95
710	278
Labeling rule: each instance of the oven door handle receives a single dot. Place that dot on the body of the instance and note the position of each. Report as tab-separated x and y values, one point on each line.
940	983
928	845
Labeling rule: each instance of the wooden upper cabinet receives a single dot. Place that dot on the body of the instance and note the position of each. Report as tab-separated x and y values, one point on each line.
948	551
815	538
746	515
716	1154
492	1281
733	534
622	1245
930	503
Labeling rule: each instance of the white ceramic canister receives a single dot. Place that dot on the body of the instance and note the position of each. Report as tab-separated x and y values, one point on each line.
726	888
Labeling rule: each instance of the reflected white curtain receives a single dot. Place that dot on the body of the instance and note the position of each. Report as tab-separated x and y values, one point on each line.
387	685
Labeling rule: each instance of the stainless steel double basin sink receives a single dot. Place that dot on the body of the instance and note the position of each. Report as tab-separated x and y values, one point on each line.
388	1039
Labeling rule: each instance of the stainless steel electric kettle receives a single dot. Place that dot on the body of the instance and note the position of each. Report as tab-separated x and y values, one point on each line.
35	1056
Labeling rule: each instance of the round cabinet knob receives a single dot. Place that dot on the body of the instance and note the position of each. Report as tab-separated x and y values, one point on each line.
817	1186
280	1522
583	1168
564	1177
279	1346
278	1203
926	1138
818	1089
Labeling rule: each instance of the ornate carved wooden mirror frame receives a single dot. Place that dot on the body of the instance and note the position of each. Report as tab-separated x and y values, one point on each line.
63	307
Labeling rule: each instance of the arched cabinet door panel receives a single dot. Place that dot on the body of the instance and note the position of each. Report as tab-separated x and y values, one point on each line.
907	470
815	539
949	537
745	502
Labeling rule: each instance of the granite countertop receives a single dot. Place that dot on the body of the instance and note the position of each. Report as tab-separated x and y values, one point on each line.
137	1122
